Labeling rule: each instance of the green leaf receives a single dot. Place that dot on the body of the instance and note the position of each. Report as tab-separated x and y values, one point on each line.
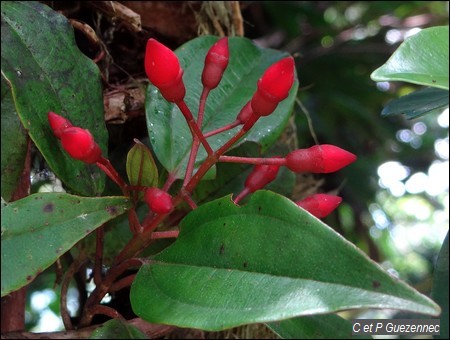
14	144
328	326
169	133
418	103
265	261
117	329
440	287
47	72
421	59
40	228
141	167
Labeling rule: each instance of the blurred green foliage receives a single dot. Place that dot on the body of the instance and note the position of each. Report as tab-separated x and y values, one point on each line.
337	46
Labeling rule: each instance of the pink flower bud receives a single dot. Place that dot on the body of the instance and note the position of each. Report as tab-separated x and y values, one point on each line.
323	158
216	62
261	175
320	205
58	123
80	144
158	200
164	71
273	86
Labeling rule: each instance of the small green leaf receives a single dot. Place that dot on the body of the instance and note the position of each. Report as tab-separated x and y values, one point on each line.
141	167
327	326
265	261
440	287
14	144
169	133
421	59
40	228
418	103
47	72
117	329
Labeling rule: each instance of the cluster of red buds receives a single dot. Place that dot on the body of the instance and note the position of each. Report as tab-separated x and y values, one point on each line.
164	72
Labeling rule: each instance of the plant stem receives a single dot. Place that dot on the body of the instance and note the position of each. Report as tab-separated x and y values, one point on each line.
122	283
247	126
165	234
193	125
196	141
222	129
100	291
108	311
105	165
250	160
241	195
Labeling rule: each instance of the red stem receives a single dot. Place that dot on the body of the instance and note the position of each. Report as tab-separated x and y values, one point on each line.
247	126
196	141
222	129
105	165
122	283
100	291
193	125
241	195
249	160
165	234
105	310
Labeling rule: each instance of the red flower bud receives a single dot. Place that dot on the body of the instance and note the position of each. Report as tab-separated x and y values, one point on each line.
164	71
216	62
273	86
80	144
158	200
261	175
320	205
323	158
58	123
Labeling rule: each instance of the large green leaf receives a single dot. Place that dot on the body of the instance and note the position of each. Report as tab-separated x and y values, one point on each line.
117	329
169	134
328	326
441	287
40	228
13	134
47	72
265	261
421	59
418	103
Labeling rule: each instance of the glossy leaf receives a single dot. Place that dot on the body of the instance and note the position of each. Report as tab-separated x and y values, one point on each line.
141	167
328	326
265	261
47	72
169	134
13	134
40	228
418	103
117	329
440	288
421	59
